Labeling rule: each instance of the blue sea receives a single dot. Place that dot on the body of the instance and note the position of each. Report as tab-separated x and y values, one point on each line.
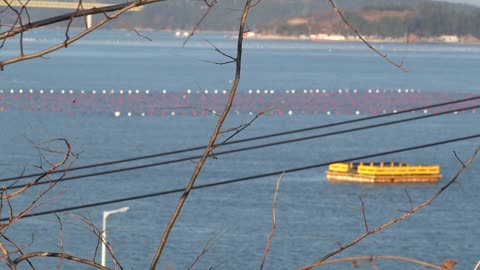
231	222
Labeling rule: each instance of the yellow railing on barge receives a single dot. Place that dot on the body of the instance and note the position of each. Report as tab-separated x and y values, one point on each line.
385	169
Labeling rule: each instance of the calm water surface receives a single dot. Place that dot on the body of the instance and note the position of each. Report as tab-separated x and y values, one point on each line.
312	214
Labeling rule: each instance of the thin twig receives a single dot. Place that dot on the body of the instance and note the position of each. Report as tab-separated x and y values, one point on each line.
209	8
240	129
410	202
207	246
274	222
363	212
459	160
345	20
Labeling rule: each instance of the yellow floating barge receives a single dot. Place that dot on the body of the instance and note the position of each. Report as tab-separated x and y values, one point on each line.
390	172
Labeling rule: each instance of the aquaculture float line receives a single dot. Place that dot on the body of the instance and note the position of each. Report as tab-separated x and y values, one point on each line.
135	102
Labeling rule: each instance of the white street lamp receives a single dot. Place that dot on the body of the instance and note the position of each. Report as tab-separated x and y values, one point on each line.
106	214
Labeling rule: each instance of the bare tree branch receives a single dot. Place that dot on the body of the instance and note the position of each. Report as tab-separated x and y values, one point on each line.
354	260
67	16
212	140
56	255
395	220
384	56
120	9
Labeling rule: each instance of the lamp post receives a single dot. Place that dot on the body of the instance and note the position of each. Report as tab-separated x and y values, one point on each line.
106	214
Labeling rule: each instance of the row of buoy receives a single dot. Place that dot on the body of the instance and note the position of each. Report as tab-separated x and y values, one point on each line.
206	91
276	112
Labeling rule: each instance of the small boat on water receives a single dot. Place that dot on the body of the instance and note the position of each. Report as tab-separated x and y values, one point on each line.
383	172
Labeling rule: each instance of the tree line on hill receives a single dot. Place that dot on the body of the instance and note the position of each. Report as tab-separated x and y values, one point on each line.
420	17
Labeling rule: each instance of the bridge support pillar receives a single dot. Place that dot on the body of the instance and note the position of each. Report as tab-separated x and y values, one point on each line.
89	21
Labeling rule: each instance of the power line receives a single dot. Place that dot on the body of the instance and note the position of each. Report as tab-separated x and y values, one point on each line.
250	139
247	178
245	148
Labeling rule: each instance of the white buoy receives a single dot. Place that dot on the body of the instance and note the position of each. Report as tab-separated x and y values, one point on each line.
71	92
339	91
357	112
293	91
147	91
112	91
215	91
94	92
129	91
305	91
137	91
20	91
143	114
206	91
172	113
324	91
272	92
258	91
355	91
224	92
31	91
369	91
63	92
121	92
117	114
287	91
250	91
81	91
328	112
265	91
41	91
399	90
317	91
129	114
104	92
425	111
394	111
189	91
290	112
164	91
1	91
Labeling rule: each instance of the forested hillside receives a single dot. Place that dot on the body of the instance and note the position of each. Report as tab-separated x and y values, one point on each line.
382	18
427	19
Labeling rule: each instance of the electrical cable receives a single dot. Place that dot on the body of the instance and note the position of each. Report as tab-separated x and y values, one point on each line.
243	149
247	178
248	139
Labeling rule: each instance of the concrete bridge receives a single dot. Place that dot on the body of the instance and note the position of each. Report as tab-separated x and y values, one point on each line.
61	5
